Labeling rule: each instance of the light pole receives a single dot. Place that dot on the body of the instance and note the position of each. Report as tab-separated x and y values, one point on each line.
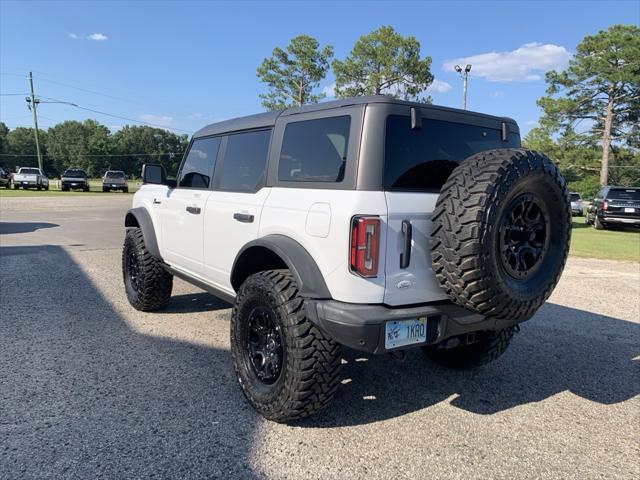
32	102
463	73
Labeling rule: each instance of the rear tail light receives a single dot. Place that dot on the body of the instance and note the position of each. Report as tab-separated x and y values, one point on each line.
365	243
605	205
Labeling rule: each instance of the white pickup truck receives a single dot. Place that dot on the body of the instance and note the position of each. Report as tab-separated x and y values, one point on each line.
30	177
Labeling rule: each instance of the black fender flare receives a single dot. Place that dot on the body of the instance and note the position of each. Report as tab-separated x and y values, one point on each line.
139	217
298	260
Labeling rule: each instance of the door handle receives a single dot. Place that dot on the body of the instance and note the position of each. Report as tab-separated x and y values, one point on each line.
194	210
156	201
405	256
243	217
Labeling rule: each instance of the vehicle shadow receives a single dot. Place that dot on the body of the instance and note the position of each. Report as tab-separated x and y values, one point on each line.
194	302
83	395
8	228
561	349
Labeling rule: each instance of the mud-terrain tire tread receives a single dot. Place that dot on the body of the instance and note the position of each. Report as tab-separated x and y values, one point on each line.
491	346
461	220
157	283
312	360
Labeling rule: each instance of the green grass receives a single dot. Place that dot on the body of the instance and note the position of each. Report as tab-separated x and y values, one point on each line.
54	190
615	244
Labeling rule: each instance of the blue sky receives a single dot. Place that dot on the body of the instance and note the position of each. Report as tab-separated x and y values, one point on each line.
185	64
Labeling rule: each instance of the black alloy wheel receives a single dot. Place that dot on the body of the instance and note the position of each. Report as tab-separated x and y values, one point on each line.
524	234
264	345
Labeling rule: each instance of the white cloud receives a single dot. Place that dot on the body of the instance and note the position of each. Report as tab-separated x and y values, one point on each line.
97	37
329	90
527	63
496	94
163	120
530	122
439	86
73	35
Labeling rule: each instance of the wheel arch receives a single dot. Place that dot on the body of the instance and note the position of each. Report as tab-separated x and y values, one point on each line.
140	218
276	252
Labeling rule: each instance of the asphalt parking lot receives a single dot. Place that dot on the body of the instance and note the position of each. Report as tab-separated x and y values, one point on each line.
91	388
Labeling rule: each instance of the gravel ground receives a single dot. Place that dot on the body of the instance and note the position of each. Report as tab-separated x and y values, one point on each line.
91	388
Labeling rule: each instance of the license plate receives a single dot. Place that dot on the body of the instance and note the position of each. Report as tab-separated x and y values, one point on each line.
629	210
74	184
113	185
25	183
399	333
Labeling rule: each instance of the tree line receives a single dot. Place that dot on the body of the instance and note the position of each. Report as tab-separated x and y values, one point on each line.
92	147
590	123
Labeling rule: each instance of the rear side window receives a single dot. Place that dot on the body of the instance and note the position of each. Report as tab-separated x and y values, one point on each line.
245	159
625	194
314	150
423	159
574	197
197	168
74	173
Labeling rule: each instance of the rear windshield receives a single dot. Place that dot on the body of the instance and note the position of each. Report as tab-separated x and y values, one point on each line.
30	171
574	196
74	173
423	159
115	175
624	194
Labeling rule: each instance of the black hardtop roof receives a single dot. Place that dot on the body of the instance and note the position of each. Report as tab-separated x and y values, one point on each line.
268	119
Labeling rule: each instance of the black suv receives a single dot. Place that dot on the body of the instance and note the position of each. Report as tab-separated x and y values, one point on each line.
614	205
74	179
5	178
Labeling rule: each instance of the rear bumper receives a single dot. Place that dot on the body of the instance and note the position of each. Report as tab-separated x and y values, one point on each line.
625	220
362	326
74	183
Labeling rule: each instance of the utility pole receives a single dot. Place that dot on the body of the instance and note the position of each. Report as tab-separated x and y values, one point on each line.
32	102
464	73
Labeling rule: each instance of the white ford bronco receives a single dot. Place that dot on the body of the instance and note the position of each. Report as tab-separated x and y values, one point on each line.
370	223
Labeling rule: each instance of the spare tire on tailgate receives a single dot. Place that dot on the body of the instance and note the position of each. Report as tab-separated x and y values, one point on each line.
500	233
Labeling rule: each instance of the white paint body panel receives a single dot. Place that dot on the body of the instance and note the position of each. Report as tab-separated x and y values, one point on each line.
286	212
416	283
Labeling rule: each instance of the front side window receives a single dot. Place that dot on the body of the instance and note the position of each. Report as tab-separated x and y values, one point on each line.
422	159
197	168
315	150
245	159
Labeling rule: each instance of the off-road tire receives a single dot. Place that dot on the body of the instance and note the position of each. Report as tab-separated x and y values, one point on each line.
473	208
125	190
488	347
309	375
16	186
153	290
105	189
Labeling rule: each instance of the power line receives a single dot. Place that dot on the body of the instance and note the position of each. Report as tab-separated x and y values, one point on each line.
117	116
12	94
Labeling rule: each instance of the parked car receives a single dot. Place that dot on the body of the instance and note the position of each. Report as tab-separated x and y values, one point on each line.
368	222
5	178
115	180
576	204
614	206
30	177
74	179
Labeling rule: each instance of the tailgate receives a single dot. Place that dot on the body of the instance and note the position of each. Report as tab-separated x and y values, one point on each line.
414	283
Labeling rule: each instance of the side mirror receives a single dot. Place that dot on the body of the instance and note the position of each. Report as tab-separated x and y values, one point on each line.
154	173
